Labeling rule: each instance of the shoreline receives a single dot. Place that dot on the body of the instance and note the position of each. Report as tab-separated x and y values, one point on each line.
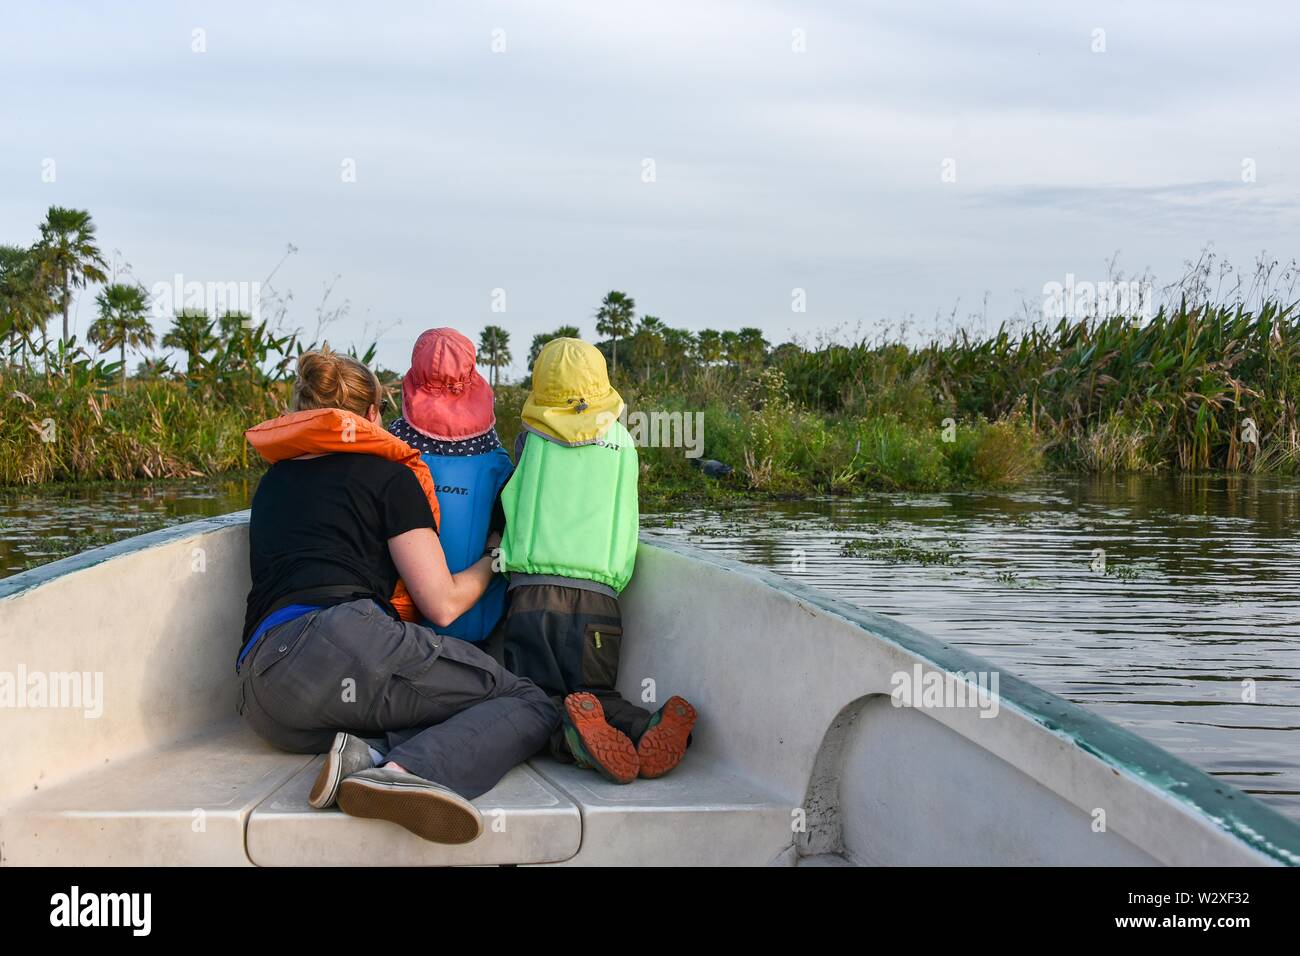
658	498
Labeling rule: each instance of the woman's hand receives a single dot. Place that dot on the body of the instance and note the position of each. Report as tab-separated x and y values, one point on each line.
440	595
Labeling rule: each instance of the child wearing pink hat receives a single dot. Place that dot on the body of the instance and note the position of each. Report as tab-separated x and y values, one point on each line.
448	416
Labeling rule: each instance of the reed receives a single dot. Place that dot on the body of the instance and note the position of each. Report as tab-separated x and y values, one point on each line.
1192	389
80	423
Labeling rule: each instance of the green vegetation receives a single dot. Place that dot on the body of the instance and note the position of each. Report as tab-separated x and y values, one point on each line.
77	425
85	541
614	320
66	256
1195	387
901	551
67	415
494	350
123	321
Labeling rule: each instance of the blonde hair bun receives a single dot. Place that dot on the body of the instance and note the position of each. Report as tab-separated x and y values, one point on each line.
327	379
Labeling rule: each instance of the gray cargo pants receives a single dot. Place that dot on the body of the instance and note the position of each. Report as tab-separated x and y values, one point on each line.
438	706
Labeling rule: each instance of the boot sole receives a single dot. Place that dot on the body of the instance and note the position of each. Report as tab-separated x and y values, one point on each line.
435	815
326	788
613	752
663	746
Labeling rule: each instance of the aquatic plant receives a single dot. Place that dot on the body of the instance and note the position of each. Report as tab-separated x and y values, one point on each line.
903	550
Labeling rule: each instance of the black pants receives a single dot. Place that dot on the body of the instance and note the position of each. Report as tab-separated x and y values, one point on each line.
439	706
565	640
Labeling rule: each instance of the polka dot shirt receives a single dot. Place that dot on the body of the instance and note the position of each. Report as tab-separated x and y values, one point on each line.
478	445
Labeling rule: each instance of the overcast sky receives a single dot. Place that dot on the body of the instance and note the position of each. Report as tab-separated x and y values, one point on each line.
524	169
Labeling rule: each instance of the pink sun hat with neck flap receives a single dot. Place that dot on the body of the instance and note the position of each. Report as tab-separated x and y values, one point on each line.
443	395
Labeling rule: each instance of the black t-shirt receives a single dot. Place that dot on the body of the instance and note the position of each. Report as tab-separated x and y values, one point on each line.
325	522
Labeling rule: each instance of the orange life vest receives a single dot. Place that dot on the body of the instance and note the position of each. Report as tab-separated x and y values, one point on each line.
322	431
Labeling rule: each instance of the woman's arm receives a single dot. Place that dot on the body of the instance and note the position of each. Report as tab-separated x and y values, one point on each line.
440	595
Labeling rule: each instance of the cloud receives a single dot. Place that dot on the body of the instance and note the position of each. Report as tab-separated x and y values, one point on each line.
775	169
1207	207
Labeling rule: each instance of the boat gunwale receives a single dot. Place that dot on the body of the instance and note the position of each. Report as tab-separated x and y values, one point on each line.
1232	811
25	581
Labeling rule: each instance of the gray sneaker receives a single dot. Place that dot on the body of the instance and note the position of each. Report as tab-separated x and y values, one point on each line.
427	809
347	756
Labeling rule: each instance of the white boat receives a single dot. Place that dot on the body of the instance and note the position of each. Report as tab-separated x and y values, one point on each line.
134	755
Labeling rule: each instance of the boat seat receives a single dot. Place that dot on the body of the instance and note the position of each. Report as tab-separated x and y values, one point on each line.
700	814
525	820
182	804
226	798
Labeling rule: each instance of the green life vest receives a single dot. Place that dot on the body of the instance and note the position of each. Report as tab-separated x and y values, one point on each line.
572	510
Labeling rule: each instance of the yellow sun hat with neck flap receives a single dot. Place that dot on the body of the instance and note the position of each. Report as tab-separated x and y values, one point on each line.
572	401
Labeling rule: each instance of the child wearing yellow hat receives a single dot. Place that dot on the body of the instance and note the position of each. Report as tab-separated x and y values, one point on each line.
570	549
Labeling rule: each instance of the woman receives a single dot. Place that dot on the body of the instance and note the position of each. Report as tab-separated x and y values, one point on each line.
326	661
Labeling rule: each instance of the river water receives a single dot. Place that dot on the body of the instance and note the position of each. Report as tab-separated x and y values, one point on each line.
1170	606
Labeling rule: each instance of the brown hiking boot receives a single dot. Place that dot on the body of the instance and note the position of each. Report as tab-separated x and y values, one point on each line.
663	745
594	743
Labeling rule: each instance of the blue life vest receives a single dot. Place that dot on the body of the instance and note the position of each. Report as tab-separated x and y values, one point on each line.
467	487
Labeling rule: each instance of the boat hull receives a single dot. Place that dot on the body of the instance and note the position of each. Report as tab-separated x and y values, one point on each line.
803	752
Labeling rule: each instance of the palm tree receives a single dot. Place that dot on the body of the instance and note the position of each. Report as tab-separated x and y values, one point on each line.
69	255
25	300
234	325
650	341
123	321
708	352
614	318
239	341
541	338
708	346
731	347
153	369
192	333
494	343
678	345
751	346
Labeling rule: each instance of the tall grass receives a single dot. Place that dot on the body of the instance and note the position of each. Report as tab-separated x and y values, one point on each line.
781	447
1193	388
75	421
